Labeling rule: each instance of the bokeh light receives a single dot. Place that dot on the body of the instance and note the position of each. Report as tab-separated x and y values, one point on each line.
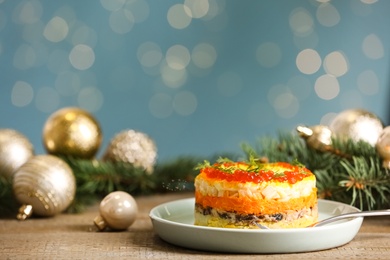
178	16
56	29
308	61
372	47
204	55
82	57
177	57
121	21
301	22
22	94
268	54
173	78
149	54
179	68
335	63
90	98
327	87
196	8
327	15
112	5
27	12
286	105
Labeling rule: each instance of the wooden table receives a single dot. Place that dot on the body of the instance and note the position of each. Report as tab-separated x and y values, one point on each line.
73	236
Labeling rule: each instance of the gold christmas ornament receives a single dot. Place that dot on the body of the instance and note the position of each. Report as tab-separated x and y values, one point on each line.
318	137
118	210
132	147
44	185
383	147
73	132
15	150
358	125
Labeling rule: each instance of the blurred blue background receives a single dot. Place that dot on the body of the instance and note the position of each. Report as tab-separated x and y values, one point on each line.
198	76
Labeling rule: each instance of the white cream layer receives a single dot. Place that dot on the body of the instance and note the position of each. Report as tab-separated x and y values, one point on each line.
281	191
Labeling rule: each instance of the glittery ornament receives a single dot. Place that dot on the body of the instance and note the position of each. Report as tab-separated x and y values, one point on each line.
358	125
73	132
383	146
318	137
15	150
118	210
132	147
44	185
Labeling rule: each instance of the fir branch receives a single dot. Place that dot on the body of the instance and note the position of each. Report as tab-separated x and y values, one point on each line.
8	203
367	182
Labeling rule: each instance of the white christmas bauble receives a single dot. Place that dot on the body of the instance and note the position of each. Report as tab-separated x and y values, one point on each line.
118	210
383	146
358	125
46	184
15	150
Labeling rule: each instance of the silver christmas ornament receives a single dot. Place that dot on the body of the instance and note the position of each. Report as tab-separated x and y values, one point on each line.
383	147
132	147
44	185
15	150
358	125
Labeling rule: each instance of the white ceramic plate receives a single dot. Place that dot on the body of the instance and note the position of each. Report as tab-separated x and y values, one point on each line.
173	222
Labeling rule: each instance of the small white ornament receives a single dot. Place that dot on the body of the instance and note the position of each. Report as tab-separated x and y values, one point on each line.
118	211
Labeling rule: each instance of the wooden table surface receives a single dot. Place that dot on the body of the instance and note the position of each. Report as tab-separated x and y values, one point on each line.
73	236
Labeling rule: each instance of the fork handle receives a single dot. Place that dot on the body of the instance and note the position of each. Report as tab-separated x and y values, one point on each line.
384	212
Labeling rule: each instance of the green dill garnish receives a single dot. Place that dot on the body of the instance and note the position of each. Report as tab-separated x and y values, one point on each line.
295	162
279	174
222	160
203	165
254	166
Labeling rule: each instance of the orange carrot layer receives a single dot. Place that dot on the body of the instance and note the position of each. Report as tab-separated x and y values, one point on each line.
246	205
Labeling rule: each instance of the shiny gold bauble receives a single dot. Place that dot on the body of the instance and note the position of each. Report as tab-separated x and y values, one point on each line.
132	147
358	125
73	132
118	210
318	137
383	146
44	185
15	150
